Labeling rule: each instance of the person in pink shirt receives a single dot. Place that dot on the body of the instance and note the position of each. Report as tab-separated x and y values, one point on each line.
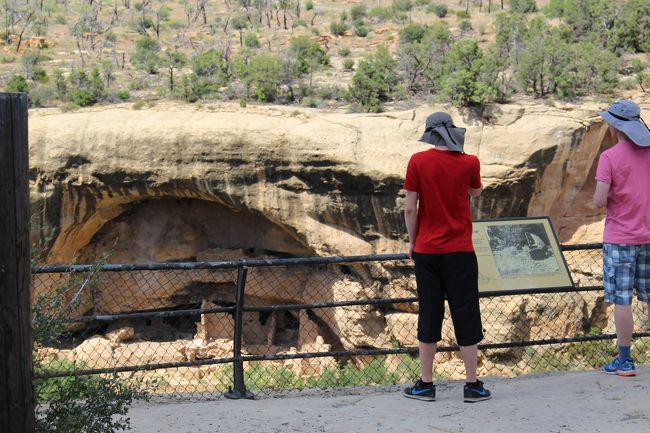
623	186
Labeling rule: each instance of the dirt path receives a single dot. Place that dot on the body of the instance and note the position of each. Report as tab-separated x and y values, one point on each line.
552	402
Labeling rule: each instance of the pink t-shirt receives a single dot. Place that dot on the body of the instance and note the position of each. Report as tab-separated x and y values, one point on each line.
626	168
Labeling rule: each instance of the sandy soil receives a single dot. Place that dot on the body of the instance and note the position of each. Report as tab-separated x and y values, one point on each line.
552	402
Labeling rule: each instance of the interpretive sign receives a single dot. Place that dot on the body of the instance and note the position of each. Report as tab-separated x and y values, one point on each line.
519	254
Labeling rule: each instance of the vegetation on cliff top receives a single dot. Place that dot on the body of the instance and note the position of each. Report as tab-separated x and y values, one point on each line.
321	53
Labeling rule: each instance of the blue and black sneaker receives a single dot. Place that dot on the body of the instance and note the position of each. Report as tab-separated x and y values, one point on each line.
474	392
421	391
621	368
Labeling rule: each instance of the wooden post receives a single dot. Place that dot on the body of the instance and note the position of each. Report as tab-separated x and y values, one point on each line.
16	389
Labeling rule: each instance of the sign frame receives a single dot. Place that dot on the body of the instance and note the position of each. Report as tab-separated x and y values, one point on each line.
519	256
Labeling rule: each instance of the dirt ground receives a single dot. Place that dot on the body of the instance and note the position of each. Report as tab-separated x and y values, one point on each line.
552	402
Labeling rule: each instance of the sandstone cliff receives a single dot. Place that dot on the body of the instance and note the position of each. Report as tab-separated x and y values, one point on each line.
287	181
179	183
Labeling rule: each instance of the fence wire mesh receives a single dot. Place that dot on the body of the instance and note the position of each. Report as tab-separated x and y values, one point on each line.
304	324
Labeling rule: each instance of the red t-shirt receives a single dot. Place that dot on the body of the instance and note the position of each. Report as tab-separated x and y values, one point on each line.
442	180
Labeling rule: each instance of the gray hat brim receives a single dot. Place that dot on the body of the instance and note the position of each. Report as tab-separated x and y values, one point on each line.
635	129
441	135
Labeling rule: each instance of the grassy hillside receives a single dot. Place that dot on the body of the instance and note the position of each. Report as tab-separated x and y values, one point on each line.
321	53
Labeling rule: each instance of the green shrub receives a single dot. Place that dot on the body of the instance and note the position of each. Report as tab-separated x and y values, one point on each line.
7	58
41	95
463	14
642	78
299	23
310	102
86	90
412	33
362	31
381	13
210	74
123	94
309	5
358	11
329	92
74	403
139	83
39	74
61	84
31	59
465	26
146	55
375	80
261	74
82	97
309	55
402	5
348	64
523	6
338	28
210	63
17	83
463	82
251	40
439	10
359	22
344	51
176	24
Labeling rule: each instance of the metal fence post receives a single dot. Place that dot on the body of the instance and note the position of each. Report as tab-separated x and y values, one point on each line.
238	363
16	389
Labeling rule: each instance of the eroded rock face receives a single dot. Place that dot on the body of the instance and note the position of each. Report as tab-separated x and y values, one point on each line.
175	183
287	181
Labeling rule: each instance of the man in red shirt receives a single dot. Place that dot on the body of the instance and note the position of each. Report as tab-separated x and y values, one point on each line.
438	218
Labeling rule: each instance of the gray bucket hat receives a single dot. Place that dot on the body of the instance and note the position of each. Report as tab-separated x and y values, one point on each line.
625	116
441	131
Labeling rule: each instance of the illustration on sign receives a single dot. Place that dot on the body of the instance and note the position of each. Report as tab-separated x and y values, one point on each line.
521	250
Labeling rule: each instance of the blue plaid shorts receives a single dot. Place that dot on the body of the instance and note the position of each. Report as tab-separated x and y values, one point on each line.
626	267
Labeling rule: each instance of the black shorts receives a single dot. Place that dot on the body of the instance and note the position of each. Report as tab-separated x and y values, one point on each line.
453	276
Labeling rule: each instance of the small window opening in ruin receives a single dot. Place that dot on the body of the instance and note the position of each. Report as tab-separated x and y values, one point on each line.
286	330
346	270
167	328
183	326
264	317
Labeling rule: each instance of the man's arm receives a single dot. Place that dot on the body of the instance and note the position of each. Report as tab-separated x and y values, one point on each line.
411	218
600	195
475	192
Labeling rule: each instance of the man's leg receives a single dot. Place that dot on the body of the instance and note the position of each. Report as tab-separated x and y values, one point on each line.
427	353
619	263
624	323
470	356
431	313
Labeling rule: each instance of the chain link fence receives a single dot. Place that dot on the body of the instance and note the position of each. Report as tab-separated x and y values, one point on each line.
262	325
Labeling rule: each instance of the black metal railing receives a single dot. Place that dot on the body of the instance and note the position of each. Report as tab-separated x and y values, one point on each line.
279	324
